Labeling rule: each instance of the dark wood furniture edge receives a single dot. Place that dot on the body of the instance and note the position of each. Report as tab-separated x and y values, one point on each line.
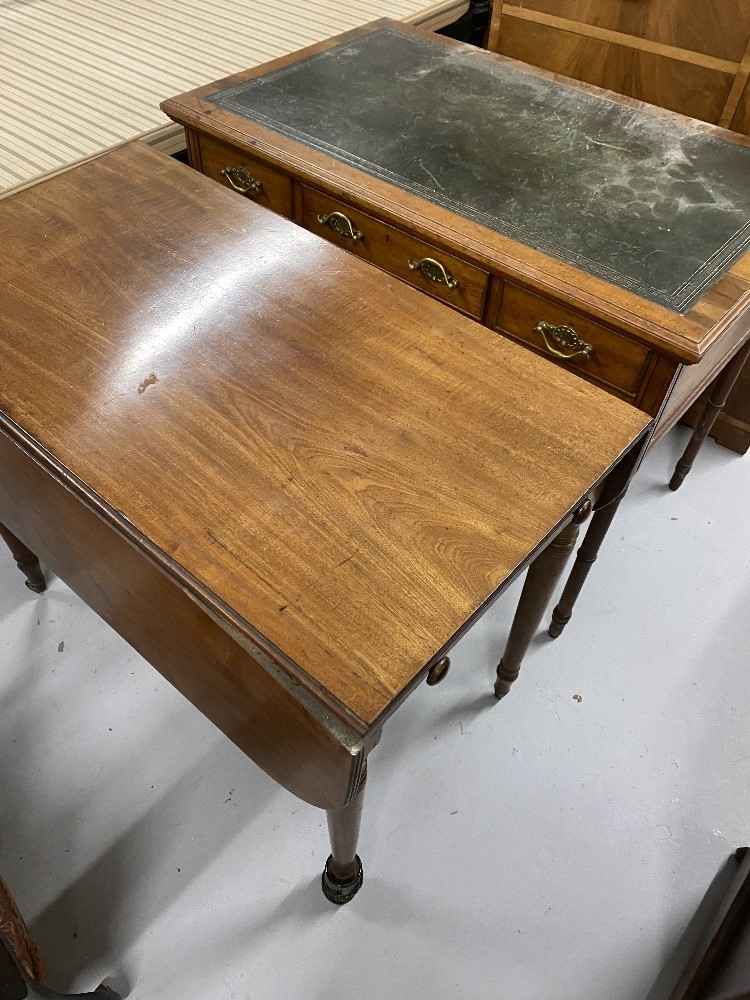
723	928
605	509
346	728
531	272
720	389
230	686
658	382
272	659
530	267
695	395
194	149
26	560
598	489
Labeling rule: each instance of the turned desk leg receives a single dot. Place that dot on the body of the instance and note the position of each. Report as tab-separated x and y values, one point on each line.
342	875
719	393
585	559
26	561
541	580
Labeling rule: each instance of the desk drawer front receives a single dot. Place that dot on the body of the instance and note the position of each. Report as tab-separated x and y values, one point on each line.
250	177
434	271
570	338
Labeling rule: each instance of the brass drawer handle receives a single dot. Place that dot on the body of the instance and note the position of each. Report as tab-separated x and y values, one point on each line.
565	336
341	224
435	271
242	180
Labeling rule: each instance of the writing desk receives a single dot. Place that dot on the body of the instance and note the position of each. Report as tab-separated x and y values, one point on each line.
608	235
288	480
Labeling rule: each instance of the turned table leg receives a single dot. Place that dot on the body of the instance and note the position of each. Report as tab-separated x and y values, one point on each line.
719	393
585	559
342	875
26	561
541	580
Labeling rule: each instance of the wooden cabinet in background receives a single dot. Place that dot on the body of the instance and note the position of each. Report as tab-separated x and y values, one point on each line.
741	119
686	57
463	199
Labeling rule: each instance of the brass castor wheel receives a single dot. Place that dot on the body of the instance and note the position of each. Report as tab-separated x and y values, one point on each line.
341	892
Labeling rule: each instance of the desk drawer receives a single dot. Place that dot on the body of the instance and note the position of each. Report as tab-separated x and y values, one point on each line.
601	355
441	275
268	187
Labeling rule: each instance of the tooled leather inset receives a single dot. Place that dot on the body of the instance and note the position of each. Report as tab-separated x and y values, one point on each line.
652	205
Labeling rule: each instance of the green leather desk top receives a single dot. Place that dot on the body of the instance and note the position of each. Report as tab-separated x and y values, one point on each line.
648	204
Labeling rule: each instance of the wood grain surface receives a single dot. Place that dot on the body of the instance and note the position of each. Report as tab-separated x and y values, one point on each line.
717	29
350	467
741	118
206	659
663	77
685	338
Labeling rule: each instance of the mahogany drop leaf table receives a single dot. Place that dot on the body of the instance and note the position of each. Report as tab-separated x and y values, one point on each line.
287	479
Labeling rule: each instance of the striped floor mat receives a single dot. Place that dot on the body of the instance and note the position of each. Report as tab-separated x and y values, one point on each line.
80	76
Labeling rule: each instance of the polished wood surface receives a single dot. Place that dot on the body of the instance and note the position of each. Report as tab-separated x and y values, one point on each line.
179	629
346	485
689	88
392	249
288	480
674	54
274	189
617	363
741	119
645	353
716	29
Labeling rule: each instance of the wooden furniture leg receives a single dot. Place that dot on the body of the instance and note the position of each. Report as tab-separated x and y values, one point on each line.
730	918
612	495
21	970
719	392
26	561
585	559
342	875
541	580
732	427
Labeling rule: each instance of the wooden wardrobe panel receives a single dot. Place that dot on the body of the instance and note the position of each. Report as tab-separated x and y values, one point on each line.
680	86
741	119
717	29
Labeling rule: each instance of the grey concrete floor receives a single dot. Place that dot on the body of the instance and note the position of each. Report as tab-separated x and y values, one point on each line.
543	847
